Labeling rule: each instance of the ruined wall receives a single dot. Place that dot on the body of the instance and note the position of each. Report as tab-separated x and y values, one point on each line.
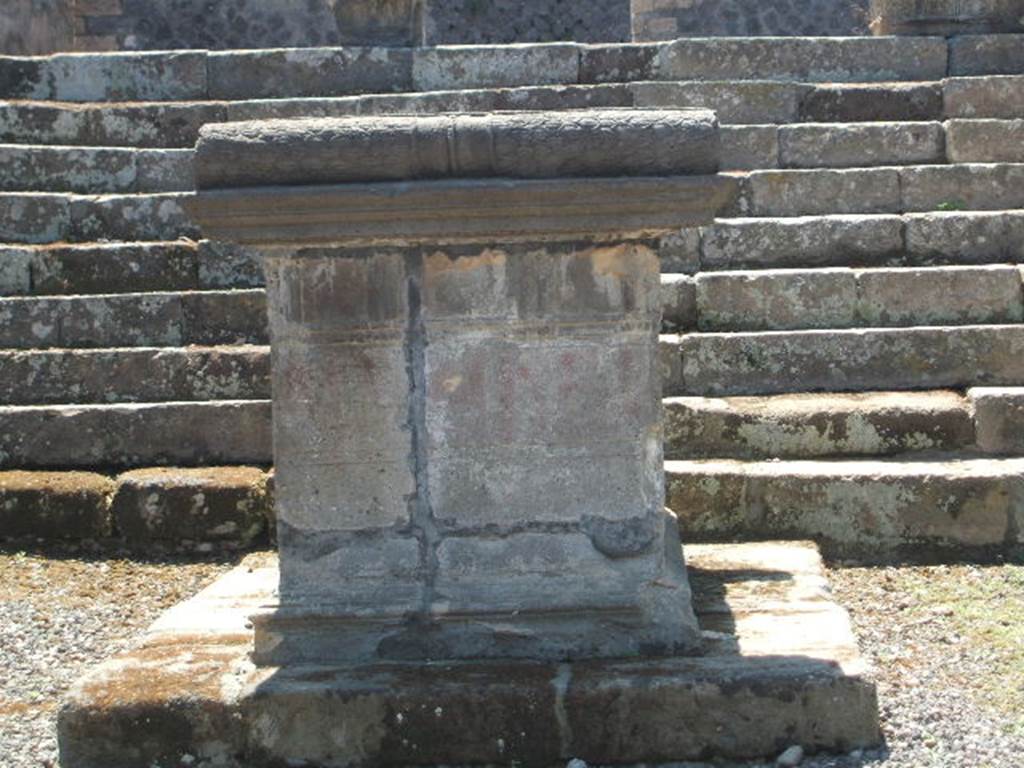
32	27
509	21
667	19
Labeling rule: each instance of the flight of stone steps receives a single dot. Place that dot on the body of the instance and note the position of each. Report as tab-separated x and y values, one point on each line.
844	348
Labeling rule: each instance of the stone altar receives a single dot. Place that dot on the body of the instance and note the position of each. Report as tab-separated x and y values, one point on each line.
468	444
467	394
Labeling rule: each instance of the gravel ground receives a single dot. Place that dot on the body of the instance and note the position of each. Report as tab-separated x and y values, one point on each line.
947	643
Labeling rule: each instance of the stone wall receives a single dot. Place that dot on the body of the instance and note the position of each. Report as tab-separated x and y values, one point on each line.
33	27
668	19
170	24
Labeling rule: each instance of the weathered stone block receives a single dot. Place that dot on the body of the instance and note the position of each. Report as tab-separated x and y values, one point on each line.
807	59
133	76
811	426
986	55
131	218
802	242
164	170
221	506
113	268
55	505
454	67
735	102
999	415
992	96
678	301
955	187
149	434
619	63
680	251
990	294
224	317
39	377
223	265
985	141
749	147
969	237
776	299
15	271
851	360
67	169
871	102
860	145
309	72
34	218
821	192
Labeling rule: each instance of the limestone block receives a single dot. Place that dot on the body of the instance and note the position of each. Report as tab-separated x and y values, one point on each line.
976	55
164	170
308	72
678	301
114	268
749	147
821	192
989	294
618	63
977	97
735	102
810	426
871	102
67	169
15	271
860	145
776	299
39	377
999	415
91	321
850	506
34	218
680	251
132	435
955	187
223	265
222	506
985	141
804	242
163	76
132	218
807	59
850	360
55	505
968	237
455	67
224	317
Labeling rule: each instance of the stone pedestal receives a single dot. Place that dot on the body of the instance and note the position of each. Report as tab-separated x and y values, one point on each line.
467	395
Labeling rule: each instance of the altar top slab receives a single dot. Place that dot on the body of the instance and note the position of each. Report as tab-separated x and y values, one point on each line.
519	145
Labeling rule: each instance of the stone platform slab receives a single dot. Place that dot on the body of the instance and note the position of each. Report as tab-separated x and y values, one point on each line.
780	667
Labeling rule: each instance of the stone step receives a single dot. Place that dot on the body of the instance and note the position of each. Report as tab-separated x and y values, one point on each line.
840	297
233	75
857	506
994	96
915	188
986	55
154	509
872	240
134	319
860	145
985	141
37	217
772	362
95	170
135	435
805	426
134	375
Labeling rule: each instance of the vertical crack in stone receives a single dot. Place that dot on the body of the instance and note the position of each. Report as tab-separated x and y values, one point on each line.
560	683
421	514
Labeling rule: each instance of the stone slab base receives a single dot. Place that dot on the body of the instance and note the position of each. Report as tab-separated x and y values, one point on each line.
780	667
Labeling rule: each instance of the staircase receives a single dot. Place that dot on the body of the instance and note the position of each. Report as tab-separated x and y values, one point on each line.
844	348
